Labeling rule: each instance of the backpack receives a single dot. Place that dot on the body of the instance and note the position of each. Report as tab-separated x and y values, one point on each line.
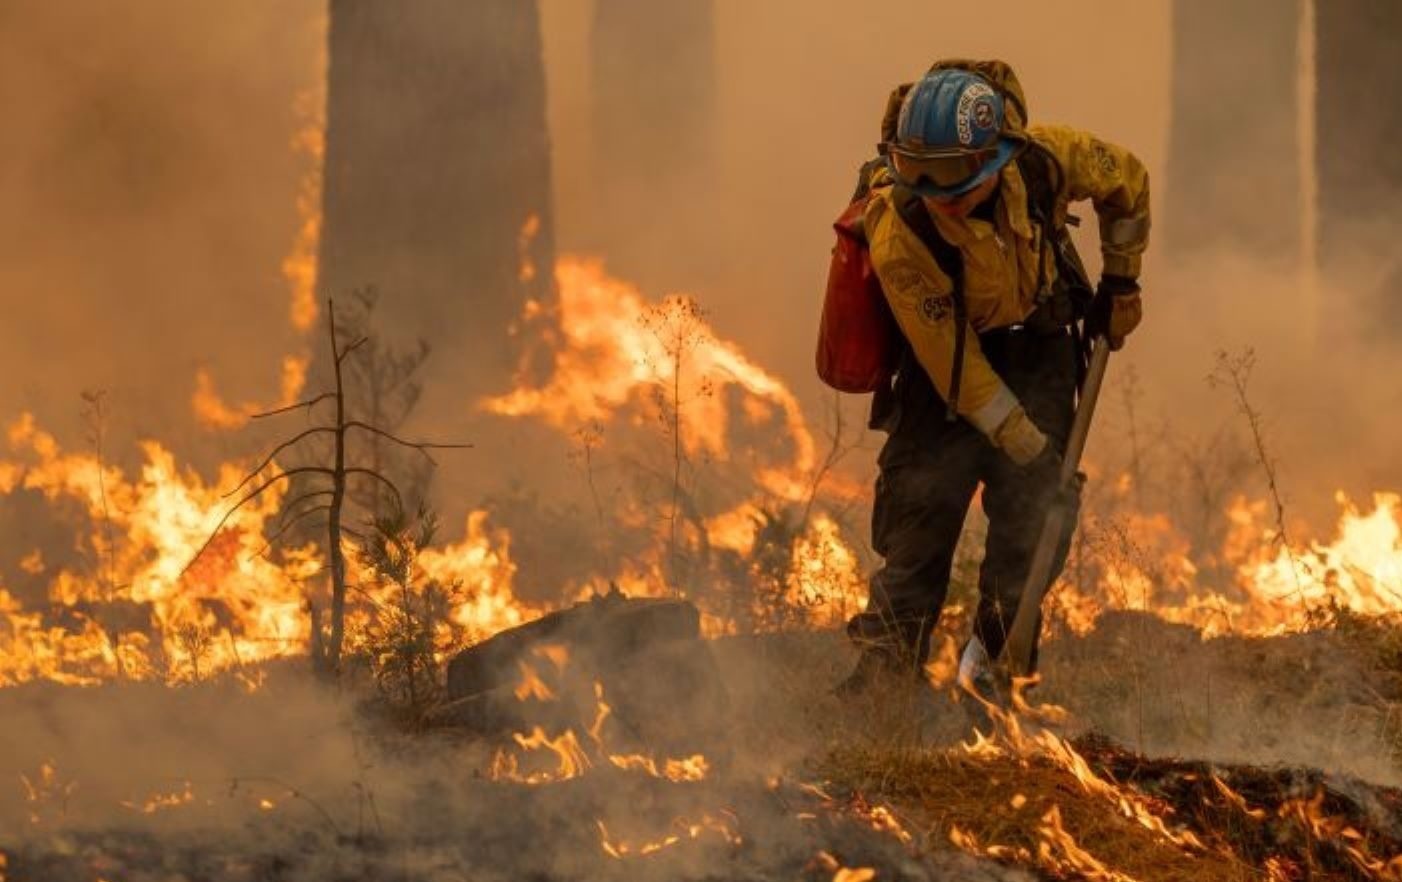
860	346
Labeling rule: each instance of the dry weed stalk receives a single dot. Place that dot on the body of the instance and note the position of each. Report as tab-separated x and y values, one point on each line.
94	414
1129	398
678	326
839	447
1234	373
588	440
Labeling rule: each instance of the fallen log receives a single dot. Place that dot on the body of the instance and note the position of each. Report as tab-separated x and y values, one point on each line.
644	657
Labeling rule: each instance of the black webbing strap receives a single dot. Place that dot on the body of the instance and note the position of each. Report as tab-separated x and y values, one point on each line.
912	210
1043	176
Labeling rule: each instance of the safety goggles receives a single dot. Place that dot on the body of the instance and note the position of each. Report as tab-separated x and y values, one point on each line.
945	171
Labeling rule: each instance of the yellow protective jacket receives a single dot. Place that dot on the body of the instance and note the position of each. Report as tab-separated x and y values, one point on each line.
1001	261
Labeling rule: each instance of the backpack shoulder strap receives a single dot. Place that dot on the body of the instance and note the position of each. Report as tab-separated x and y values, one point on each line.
864	176
951	262
1043	176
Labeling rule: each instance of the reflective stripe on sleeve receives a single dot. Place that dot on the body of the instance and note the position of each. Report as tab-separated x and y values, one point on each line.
993	412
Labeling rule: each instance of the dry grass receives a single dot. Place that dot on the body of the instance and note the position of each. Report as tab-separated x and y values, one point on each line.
1003	802
1254	819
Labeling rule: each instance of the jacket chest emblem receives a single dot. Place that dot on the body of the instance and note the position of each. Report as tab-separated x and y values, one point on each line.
935	309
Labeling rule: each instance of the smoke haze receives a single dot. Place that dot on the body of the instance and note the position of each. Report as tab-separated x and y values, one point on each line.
151	189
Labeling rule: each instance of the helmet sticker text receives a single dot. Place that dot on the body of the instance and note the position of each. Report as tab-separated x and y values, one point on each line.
971	111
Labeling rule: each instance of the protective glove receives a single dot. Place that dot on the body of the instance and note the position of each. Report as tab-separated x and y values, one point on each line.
1115	310
1019	437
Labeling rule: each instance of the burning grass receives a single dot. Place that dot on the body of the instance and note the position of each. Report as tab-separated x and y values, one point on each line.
1252	823
1022	811
732	502
1091	809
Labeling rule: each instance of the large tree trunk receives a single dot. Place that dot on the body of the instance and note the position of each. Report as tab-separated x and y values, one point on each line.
437	187
652	146
1359	139
1233	178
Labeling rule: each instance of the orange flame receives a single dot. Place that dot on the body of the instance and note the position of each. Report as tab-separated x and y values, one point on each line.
300	265
531	686
611	356
1273	588
1010	738
158	802
212	412
682	829
573	760
147	612
1071	855
623	362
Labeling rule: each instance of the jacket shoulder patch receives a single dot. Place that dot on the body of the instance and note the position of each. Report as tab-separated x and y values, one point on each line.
917	291
1104	159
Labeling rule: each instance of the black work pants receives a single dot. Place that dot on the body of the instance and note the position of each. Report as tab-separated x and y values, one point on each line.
930	469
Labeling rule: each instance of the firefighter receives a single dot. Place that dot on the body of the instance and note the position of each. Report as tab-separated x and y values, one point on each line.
985	392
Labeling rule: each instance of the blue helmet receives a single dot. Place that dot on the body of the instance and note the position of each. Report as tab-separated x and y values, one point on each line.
949	137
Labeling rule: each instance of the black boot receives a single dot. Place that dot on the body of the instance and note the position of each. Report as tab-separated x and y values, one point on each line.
880	671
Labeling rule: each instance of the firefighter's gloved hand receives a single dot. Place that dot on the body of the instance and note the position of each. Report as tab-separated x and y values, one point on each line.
1115	311
1019	437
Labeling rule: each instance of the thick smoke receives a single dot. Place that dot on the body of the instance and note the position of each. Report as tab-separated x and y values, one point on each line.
292	782
150	191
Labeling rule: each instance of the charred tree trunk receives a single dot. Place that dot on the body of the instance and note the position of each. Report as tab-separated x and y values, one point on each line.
437	181
1233	179
334	548
1358	136
653	79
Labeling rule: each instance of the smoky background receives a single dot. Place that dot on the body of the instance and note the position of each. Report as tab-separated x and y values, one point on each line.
150	186
148	200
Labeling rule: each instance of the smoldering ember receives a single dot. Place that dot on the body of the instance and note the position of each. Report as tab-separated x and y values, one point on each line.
414	465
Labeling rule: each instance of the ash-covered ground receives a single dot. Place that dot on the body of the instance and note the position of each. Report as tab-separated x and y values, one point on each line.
296	781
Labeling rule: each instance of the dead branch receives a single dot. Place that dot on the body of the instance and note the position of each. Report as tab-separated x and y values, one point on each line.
288	525
244	501
267	460
309	403
356	344
288	507
421	446
356	470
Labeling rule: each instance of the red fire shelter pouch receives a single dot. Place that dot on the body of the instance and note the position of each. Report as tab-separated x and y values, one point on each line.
858	337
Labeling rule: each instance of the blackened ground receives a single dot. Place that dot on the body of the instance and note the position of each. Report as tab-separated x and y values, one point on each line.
291	783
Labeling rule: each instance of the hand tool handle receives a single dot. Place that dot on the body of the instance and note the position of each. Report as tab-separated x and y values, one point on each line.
1017	649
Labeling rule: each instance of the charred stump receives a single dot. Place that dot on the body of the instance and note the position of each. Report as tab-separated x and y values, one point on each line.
646	654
